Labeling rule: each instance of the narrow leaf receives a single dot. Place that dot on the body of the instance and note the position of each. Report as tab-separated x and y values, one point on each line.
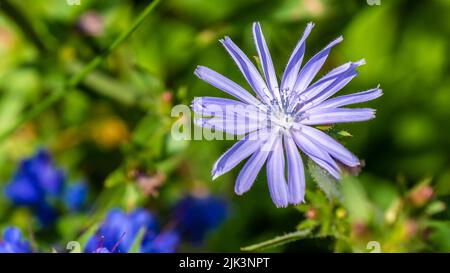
325	182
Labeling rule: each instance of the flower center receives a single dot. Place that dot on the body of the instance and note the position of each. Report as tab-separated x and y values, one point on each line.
283	120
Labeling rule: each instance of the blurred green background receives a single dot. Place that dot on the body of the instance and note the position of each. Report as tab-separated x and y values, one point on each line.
118	119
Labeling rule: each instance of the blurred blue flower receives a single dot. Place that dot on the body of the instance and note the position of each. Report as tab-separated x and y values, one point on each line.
46	213
35	181
119	231
165	242
75	196
12	242
101	250
193	218
196	216
40	185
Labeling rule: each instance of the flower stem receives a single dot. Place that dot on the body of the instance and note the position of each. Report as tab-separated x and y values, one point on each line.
77	78
280	240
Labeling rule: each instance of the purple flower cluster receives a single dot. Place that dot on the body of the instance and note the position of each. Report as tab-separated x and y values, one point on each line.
192	219
195	216
119	231
39	185
12	242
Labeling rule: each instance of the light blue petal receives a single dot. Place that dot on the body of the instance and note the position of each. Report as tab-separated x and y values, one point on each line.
275	175
331	146
213	106
251	169
328	85
313	66
249	71
295	61
296	172
337	115
238	152
319	156
225	84
266	60
351	98
235	125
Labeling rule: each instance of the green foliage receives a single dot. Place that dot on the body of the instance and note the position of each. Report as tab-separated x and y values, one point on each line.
101	104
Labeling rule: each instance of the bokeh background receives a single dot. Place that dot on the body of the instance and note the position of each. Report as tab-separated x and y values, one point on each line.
113	130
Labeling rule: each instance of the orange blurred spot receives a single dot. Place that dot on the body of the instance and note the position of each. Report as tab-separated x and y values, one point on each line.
110	132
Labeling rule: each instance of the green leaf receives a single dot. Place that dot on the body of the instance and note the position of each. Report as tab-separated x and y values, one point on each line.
324	181
439	208
84	238
435	208
344	133
136	246
148	132
116	178
439	235
307	224
258	64
279	240
355	200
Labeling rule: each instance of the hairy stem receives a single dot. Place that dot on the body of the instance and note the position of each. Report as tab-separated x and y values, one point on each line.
280	240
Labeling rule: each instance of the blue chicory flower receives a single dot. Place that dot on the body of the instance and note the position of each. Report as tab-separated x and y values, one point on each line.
12	242
287	114
196	216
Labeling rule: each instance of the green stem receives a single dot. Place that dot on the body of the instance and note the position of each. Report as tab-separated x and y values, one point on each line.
108	86
97	60
280	240
77	78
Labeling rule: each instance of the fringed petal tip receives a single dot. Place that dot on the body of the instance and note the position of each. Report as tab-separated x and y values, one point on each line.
352	164
335	41
197	71
308	28
216	172
238	191
360	62
297	202
281	205
380	90
225	40
195	102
